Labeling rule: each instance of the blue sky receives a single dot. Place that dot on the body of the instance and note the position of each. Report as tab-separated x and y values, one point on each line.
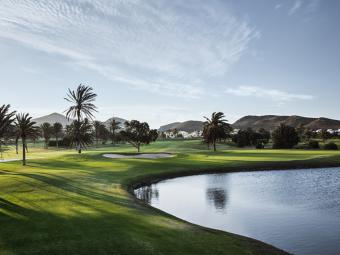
164	61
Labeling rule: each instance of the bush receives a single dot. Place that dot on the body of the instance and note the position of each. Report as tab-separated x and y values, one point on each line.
53	143
259	144
313	144
330	146
285	137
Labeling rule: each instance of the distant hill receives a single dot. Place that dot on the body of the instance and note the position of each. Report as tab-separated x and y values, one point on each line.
52	118
188	126
270	122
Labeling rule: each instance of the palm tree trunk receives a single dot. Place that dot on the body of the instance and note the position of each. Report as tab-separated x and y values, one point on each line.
214	145
56	138
78	132
23	152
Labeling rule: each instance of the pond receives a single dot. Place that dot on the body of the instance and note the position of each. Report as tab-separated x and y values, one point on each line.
295	210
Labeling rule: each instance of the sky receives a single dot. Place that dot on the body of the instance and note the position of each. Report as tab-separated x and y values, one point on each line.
164	61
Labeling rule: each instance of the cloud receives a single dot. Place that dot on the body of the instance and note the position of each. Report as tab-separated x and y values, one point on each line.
297	5
164	47
272	94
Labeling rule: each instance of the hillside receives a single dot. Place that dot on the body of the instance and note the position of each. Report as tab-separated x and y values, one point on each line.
52	118
188	126
269	122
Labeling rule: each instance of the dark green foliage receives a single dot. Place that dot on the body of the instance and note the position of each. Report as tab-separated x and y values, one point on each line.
82	106
80	133
251	138
285	137
6	120
215	128
47	131
101	133
313	144
138	133
331	146
113	126
57	131
325	135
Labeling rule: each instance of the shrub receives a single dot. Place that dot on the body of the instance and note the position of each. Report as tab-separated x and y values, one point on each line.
313	144
330	146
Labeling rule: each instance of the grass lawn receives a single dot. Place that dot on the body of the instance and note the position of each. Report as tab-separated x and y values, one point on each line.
65	203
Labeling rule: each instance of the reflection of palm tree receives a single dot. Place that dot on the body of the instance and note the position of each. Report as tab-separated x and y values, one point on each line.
147	193
218	197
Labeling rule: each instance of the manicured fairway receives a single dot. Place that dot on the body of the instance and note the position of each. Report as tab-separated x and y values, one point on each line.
65	203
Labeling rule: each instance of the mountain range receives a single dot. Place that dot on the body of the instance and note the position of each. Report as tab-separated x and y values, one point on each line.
57	117
268	122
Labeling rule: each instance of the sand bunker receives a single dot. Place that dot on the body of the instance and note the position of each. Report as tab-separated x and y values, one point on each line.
144	155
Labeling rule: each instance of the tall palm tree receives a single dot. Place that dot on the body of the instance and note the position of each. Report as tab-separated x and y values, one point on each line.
57	131
215	128
25	128
6	119
82	106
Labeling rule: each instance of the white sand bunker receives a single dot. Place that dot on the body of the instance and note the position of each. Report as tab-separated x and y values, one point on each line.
144	155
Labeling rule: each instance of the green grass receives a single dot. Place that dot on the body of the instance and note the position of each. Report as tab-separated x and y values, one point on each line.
65	203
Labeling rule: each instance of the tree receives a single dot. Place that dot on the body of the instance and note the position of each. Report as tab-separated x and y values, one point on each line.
25	128
138	133
285	137
80	133
82	106
113	126
325	135
57	132
100	132
215	128
47	131
6	119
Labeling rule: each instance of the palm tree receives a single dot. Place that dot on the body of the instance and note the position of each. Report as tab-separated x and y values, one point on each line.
80	132
6	119
82	106
215	128
46	129
57	130
114	125
25	128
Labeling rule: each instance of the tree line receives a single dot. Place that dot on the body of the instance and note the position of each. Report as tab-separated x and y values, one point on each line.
82	132
217	129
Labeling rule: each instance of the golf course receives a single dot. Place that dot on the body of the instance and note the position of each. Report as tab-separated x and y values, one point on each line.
63	202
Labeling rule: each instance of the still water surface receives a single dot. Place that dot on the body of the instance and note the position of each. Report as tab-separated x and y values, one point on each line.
295	210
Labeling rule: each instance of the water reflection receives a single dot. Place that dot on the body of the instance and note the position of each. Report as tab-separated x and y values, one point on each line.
147	193
218	198
298	211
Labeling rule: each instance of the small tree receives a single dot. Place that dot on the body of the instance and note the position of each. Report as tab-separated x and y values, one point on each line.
325	135
285	137
47	131
138	133
57	132
25	128
113	126
215	128
6	119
